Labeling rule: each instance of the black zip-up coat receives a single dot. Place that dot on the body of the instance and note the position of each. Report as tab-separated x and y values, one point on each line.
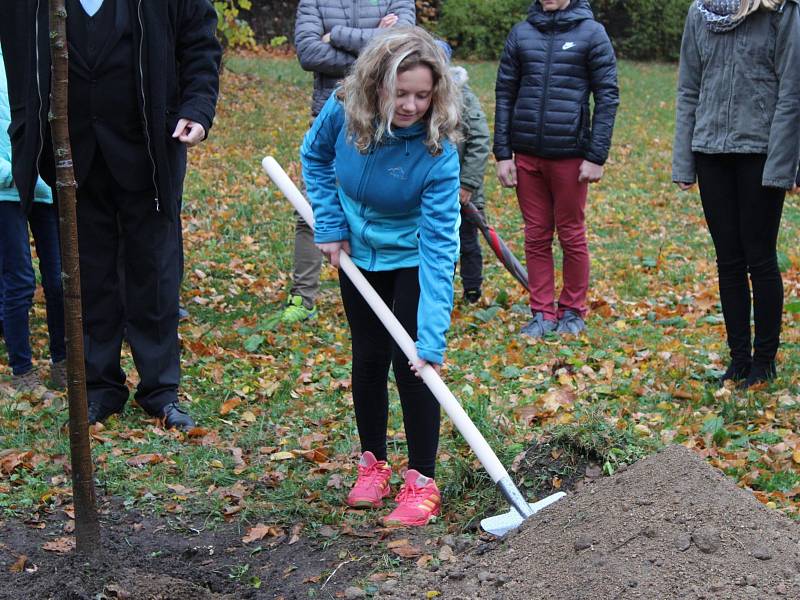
177	70
550	64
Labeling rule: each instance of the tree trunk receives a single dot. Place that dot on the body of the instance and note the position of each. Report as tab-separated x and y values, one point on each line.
87	527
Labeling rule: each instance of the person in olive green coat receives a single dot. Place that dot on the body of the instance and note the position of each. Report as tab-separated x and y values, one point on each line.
473	152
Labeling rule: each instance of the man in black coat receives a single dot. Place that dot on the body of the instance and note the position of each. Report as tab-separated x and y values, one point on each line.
144	79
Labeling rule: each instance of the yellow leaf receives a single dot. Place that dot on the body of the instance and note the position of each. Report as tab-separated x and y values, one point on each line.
796	456
432	594
217	464
282	456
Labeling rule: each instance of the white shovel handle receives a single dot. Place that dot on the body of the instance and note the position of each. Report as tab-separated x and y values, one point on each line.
431	378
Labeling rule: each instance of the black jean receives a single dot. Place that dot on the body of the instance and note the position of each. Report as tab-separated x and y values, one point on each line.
744	218
471	257
373	352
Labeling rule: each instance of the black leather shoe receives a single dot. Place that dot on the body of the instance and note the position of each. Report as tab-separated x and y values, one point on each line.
175	416
736	372
100	412
471	296
760	373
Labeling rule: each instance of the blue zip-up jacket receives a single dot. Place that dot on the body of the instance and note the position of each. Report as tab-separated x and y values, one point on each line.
396	204
8	191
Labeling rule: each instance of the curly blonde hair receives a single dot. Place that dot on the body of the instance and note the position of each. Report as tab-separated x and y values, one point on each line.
368	92
751	6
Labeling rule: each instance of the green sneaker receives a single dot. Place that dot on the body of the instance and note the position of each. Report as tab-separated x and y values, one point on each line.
296	311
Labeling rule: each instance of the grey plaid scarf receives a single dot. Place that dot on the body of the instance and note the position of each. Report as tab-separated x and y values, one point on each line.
720	15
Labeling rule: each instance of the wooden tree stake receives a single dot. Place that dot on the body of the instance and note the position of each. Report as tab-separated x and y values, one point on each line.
87	526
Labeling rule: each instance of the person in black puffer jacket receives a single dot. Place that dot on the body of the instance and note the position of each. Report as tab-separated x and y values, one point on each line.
549	145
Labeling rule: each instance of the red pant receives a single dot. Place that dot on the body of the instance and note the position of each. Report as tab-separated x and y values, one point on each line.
551	199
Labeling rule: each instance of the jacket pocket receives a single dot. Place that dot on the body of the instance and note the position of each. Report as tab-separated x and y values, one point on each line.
583	128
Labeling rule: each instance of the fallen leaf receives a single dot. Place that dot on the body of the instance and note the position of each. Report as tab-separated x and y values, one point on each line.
144	459
407	551
296	529
62	545
19	564
260	531
282	455
327	531
229	406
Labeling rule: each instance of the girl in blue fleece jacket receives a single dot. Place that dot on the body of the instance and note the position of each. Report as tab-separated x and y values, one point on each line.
383	177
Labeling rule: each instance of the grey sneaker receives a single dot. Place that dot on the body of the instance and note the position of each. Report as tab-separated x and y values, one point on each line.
571	323
31	385
58	375
538	326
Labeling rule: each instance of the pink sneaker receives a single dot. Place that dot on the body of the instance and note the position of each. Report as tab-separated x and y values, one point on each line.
417	502
372	485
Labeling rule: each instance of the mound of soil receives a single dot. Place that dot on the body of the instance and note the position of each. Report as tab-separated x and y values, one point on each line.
669	526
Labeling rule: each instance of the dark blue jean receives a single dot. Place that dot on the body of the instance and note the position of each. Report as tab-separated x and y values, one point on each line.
43	222
19	282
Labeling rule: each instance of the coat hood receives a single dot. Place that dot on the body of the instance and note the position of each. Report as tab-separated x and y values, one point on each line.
560	20
459	75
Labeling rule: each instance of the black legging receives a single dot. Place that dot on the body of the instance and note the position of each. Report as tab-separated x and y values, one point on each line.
743	218
373	351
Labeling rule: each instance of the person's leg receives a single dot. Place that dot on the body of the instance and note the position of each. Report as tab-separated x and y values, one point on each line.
421	413
1	294
719	193
471	260
569	200
536	203
760	211
19	284
307	267
103	317
152	282
44	226
372	354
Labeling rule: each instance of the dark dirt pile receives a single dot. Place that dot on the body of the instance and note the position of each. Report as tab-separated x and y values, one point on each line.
670	526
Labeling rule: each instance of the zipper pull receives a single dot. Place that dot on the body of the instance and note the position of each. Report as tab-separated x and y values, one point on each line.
158	206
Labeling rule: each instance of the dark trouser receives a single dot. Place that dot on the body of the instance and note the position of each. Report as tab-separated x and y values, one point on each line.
471	257
43	221
18	283
373	351
107	216
743	218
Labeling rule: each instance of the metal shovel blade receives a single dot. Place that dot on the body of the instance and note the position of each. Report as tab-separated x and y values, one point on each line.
500	525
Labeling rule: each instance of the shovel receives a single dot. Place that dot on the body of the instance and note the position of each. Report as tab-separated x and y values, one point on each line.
497	525
496	243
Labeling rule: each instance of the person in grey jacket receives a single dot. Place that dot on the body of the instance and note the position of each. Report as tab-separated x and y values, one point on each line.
738	107
328	37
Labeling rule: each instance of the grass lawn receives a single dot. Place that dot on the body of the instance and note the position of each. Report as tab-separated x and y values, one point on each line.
277	437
